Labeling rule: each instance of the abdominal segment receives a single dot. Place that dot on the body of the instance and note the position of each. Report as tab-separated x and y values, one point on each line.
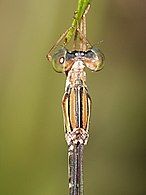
76	105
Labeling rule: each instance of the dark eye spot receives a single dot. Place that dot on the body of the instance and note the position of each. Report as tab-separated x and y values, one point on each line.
89	54
70	55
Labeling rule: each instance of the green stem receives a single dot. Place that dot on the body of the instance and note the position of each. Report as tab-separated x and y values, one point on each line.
82	6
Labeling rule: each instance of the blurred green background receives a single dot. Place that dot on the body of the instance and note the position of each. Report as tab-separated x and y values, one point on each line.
33	152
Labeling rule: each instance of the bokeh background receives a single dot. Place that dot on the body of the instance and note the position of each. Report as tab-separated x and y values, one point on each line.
33	152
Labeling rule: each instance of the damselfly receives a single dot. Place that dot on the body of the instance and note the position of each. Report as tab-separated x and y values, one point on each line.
76	102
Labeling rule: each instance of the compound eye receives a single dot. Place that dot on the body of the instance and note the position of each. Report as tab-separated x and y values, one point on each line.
99	58
58	60
95	61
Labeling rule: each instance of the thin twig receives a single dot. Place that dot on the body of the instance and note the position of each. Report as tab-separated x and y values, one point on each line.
70	32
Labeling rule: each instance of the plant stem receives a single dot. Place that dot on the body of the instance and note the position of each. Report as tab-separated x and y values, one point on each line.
82	6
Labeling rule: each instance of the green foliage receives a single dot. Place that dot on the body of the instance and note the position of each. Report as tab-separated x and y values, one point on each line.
82	6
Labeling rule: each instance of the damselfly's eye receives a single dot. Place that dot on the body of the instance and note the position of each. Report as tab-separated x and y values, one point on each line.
58	60
95	59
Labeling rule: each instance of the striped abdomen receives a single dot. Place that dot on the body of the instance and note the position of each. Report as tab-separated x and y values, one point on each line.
76	108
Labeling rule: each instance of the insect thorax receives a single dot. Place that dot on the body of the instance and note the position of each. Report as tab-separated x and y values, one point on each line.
77	75
76	105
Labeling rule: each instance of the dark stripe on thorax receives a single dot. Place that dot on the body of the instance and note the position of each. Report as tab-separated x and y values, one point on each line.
78	107
88	109
69	89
